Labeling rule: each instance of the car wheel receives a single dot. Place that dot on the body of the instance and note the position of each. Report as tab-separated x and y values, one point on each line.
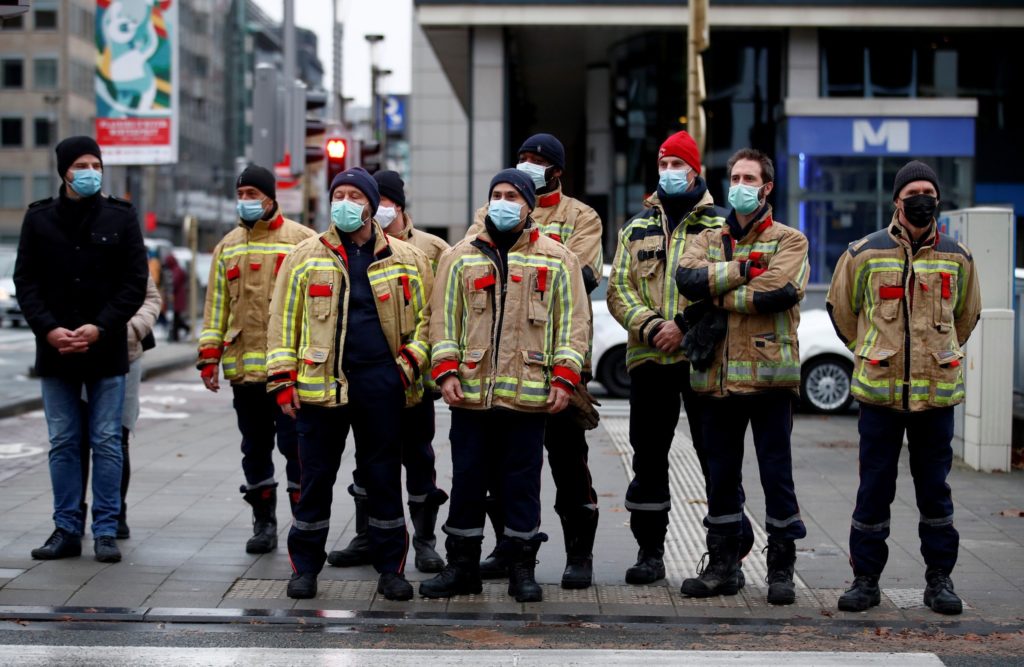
612	372
825	384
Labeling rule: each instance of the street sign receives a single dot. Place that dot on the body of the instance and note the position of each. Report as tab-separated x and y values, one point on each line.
394	113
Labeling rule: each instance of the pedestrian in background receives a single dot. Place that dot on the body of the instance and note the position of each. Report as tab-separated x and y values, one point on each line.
178	288
243	270
348	342
905	299
79	314
576	225
749	277
509	333
417	421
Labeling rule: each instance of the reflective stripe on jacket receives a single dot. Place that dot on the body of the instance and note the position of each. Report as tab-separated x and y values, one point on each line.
760	350
569	221
642	292
508	339
906	316
242	272
309	316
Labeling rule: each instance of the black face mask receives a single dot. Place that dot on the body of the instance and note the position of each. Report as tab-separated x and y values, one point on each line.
919	210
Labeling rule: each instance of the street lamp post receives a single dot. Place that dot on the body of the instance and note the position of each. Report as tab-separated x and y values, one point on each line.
374	101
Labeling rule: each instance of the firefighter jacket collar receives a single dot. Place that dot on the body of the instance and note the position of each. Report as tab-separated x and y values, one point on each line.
381	246
902	235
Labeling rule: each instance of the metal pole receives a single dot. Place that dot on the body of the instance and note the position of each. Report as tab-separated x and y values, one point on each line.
337	110
696	43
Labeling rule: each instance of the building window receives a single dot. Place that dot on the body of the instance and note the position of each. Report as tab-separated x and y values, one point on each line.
44	73
41	127
45	15
12	191
11	132
13	23
42	187
12	73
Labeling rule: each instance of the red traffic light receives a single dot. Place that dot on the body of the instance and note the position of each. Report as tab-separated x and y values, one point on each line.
336	149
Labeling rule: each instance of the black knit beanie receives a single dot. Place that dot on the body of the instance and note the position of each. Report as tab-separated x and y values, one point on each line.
361	179
260	178
73	148
391	186
518	180
914	171
547	146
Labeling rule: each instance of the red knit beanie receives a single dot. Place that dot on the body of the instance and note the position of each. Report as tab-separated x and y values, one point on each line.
681	145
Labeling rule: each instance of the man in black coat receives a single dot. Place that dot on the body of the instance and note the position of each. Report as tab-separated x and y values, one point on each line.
80	276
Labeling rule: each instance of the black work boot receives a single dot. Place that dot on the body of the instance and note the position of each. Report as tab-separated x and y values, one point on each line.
264	519
579	532
720	575
461	576
495	566
302	586
393	586
939	595
123	531
358	550
649	566
60	544
424	518
522	585
781	558
862	595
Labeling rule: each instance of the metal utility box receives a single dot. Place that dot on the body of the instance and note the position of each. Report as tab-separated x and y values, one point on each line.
982	431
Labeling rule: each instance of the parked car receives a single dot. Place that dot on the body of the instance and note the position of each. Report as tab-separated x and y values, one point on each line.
826	365
9	309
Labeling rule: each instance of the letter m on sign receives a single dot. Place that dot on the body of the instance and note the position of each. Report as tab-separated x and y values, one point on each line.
892	135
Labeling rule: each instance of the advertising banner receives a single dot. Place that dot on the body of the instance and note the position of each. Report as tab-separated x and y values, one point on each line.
137	81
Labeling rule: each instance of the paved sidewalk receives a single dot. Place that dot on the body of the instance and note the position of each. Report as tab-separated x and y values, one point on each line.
189	525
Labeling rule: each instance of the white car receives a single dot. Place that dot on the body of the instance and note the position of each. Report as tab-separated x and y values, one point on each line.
826	364
10	311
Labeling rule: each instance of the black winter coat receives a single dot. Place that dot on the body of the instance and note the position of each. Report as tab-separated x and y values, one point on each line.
81	262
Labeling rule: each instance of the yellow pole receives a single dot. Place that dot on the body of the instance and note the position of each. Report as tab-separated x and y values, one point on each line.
697	41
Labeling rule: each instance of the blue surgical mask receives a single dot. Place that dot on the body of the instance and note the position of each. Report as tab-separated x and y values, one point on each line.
534	171
504	214
674	181
86	182
250	210
745	198
347	215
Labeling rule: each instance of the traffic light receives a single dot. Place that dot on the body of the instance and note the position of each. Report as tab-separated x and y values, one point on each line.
337	157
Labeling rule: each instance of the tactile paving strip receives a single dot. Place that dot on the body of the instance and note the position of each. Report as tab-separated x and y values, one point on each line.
909	598
642	595
327	589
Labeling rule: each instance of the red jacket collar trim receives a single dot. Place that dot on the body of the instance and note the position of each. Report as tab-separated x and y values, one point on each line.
549	200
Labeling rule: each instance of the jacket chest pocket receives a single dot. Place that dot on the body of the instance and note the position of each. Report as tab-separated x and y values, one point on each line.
888	294
480	285
538	295
104	242
650	257
944	286
233	275
320	294
407	307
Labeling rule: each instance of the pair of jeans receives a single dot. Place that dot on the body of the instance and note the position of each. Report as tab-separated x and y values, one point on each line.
64	417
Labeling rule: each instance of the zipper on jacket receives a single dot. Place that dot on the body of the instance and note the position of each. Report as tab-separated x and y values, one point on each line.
498	320
906	332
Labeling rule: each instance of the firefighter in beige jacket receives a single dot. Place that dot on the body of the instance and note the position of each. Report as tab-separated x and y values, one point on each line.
417	420
749	276
509	333
242	273
577	226
348	345
905	299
